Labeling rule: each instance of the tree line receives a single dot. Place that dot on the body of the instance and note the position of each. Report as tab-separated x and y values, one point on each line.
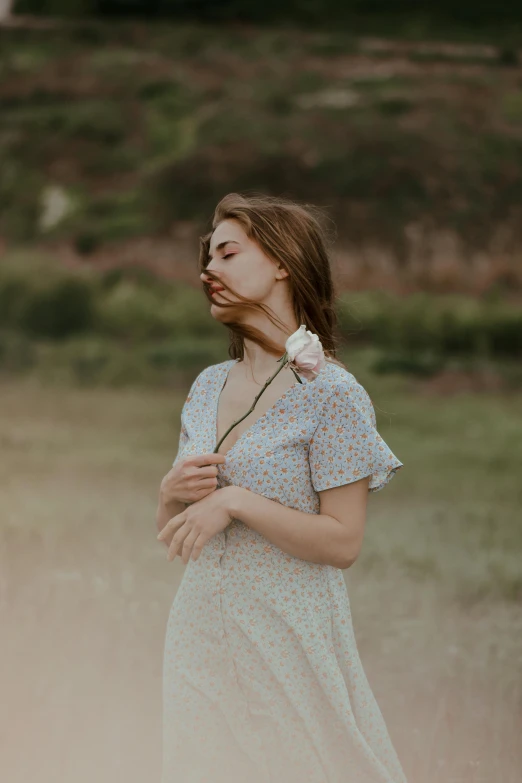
468	13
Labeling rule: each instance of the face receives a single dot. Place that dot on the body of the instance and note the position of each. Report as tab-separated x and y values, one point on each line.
238	261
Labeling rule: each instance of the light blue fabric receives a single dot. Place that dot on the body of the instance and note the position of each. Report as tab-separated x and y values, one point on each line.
262	678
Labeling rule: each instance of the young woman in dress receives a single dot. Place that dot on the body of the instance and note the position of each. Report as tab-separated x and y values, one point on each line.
262	678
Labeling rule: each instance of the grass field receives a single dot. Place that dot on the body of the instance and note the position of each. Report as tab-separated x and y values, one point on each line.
86	588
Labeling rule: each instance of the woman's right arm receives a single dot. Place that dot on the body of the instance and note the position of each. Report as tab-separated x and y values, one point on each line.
189	480
167	510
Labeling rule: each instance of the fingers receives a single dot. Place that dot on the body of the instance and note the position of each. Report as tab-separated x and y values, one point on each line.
198	546
177	542
188	543
199	489
172	525
206	484
203	472
203	493
200	460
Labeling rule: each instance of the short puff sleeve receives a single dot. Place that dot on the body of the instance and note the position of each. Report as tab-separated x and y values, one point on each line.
346	446
183	434
182	442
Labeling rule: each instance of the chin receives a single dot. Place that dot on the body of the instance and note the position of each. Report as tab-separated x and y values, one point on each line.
216	311
224	314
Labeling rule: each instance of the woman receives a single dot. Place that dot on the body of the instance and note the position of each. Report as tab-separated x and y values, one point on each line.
262	679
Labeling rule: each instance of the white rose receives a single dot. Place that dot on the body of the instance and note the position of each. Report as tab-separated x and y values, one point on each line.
305	352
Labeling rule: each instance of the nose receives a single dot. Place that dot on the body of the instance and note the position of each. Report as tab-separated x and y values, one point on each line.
206	279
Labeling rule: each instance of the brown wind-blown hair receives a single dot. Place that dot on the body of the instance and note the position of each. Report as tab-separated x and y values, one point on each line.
291	235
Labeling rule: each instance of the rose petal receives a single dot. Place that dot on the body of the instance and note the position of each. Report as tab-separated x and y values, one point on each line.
305	351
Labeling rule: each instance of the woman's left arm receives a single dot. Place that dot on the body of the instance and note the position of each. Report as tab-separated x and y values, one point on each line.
332	537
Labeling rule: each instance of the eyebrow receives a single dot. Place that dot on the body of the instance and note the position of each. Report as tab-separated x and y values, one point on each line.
222	244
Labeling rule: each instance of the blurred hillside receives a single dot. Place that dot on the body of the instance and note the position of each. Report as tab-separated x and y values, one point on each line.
117	139
408	17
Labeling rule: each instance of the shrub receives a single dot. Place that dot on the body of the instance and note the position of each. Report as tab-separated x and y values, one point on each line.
92	361
170	327
130	310
127	310
441	326
42	301
185	355
13	291
508	56
139	275
57	308
86	242
421	363
503	330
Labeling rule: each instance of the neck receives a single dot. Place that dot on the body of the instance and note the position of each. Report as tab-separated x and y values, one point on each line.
256	358
257	362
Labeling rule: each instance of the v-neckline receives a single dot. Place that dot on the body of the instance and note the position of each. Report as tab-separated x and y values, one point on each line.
215	405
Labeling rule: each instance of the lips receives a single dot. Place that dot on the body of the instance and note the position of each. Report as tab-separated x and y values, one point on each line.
215	289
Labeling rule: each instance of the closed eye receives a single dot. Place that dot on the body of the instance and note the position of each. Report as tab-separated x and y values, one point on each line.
228	255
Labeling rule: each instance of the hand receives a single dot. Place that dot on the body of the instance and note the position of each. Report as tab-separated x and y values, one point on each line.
197	524
191	479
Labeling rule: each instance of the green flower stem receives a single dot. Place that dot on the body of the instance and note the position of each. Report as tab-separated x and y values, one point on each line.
283	361
296	375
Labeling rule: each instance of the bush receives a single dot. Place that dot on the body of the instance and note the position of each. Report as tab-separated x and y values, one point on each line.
86	242
503	330
186	355
508	56
13	291
422	363
43	302
92	361
130	310
107	218
171	331
139	275
97	361
423	325
58	309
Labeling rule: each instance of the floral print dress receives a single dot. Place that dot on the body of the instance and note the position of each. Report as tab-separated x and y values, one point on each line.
262	679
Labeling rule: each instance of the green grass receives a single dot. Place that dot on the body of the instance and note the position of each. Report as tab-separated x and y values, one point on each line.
435	593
